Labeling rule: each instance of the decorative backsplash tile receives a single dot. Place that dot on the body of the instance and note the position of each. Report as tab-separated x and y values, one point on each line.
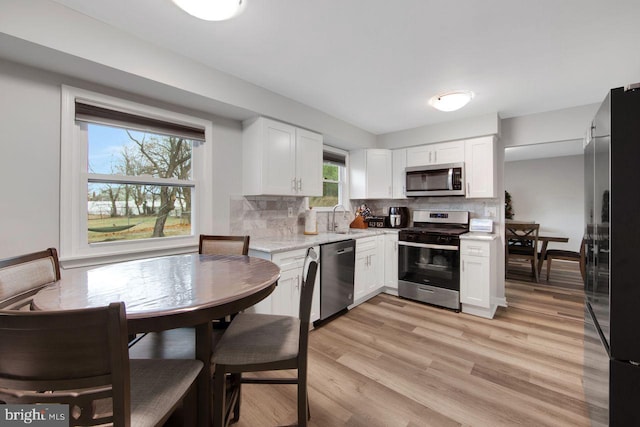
268	216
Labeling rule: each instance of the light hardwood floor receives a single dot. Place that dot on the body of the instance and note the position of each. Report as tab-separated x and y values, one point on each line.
394	362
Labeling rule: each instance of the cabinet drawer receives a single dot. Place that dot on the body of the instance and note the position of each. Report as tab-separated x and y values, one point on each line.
291	259
475	248
367	243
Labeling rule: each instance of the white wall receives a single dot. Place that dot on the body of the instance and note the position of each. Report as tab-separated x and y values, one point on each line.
551	192
550	126
447	131
44	33
30	157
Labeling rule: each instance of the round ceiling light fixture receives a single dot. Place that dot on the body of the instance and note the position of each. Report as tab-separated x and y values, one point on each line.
211	10
451	101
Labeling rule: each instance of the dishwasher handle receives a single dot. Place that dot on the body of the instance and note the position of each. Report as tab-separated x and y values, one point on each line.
344	250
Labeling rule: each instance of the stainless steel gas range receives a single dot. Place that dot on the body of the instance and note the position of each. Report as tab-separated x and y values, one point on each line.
429	257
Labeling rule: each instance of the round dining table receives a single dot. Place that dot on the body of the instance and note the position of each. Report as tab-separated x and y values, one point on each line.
169	292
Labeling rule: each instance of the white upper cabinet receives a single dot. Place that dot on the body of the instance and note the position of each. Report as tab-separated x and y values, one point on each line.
309	163
370	174
436	154
280	159
399	163
480	167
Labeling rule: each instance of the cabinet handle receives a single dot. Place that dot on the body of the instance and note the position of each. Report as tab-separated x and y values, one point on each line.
293	185
430	153
435	157
300	184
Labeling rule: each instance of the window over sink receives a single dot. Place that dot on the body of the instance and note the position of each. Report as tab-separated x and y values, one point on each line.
334	173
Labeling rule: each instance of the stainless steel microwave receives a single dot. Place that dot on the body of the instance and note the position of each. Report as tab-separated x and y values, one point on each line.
435	180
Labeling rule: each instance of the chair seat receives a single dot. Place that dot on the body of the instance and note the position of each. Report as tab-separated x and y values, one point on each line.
559	253
258	338
157	385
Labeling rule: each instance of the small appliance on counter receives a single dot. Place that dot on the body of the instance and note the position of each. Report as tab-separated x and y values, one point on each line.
481	225
398	217
377	221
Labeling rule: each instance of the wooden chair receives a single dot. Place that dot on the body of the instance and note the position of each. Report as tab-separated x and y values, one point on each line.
567	256
23	276
522	243
80	358
223	245
262	342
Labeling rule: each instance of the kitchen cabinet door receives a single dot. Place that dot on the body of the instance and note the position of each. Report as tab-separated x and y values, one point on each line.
436	154
399	163
391	261
480	168
448	152
280	159
308	163
285	299
370	173
366	278
478	276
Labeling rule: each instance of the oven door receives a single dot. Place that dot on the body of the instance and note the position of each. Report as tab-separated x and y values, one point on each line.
429	264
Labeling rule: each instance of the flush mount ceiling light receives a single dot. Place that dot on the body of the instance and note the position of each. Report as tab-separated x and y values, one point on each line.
451	101
211	10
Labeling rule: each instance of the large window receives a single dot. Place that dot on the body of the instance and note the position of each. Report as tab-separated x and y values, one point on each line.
333	180
133	178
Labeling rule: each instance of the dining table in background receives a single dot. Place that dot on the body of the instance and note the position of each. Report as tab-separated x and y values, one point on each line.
169	292
543	239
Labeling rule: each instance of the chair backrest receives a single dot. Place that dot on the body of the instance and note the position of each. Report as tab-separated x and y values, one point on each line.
22	276
306	297
62	352
522	236
223	245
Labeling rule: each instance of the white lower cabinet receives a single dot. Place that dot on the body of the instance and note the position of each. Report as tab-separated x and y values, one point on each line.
285	299
367	277
478	278
391	263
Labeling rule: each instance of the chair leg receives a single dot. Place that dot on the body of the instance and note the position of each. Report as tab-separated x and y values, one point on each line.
534	267
190	407
237	381
219	396
303	399
548	267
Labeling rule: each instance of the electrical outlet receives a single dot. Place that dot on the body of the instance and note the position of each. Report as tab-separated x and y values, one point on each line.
491	212
290	212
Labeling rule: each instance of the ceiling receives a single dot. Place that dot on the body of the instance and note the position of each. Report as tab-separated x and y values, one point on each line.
375	63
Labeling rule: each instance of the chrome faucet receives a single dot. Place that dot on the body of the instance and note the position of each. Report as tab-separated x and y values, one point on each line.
333	218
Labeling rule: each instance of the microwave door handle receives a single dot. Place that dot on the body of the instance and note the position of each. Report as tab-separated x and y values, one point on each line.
450	179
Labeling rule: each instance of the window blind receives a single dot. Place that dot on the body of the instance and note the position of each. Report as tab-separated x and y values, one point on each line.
334	158
105	116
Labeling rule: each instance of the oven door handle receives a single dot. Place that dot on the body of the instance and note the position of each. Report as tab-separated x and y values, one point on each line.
429	246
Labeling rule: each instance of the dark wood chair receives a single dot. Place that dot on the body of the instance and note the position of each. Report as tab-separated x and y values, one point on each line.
80	358
23	276
578	257
262	342
522	243
223	245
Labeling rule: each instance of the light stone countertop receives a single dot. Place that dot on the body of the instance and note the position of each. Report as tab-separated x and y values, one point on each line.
478	236
301	241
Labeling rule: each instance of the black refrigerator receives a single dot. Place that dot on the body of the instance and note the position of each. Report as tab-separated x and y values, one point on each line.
612	283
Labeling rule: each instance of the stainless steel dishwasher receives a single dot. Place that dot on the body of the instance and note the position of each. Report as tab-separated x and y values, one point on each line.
337	266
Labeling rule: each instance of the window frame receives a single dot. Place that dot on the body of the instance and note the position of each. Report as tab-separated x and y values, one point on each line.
343	184
75	251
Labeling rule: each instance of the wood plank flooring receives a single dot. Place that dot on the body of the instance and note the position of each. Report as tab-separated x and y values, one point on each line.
395	362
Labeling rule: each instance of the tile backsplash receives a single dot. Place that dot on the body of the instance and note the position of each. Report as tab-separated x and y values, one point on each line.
268	216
